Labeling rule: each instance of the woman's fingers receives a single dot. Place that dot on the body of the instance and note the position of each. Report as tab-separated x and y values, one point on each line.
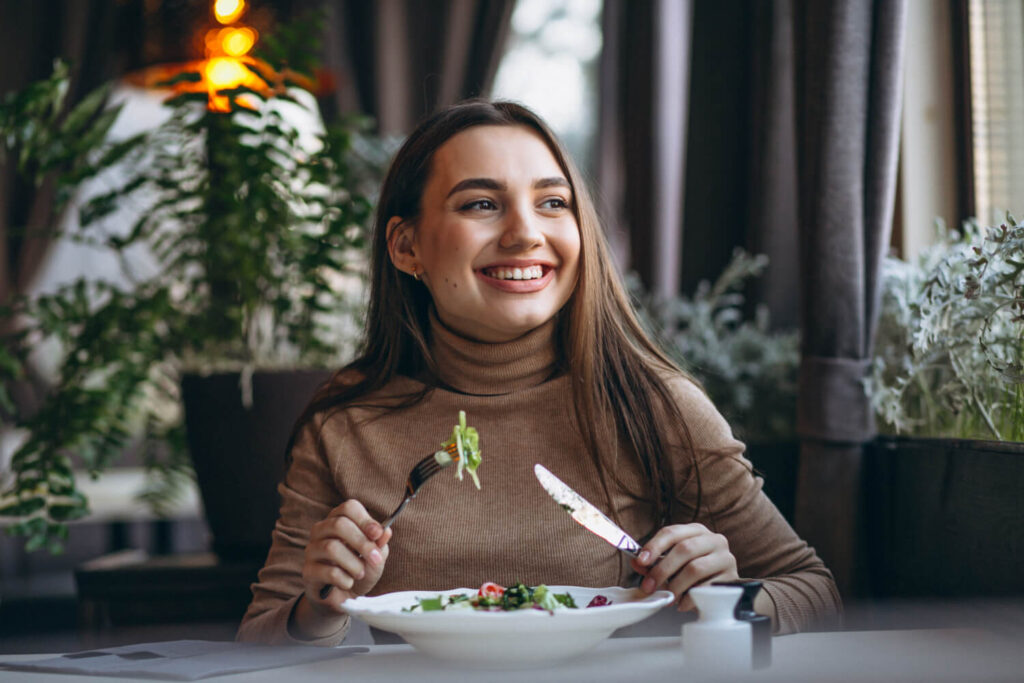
338	538
346	550
667	538
685	558
354	511
681	556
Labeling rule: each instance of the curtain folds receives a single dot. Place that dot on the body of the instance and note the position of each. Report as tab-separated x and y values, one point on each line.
791	137
400	60
772	224
643	138
848	89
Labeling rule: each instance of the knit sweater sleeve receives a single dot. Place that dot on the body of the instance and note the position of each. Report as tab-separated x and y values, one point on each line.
733	504
307	494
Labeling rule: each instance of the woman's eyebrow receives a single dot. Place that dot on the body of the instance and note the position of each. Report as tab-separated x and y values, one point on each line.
478	184
499	186
556	181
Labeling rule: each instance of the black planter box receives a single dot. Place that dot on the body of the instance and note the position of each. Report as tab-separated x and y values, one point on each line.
777	463
944	518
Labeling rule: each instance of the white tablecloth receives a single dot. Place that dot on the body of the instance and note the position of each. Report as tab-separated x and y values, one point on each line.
919	655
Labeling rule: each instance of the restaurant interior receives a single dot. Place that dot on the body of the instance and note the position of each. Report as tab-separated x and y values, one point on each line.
811	203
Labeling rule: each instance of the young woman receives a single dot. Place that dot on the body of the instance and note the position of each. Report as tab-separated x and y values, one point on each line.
493	292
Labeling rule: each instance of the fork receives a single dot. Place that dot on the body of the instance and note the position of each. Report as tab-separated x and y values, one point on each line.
423	470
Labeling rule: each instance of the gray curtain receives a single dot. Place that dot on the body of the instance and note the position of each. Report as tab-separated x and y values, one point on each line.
642	148
697	101
399	60
848	93
771	164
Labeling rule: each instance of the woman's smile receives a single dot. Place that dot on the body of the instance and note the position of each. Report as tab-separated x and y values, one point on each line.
517	277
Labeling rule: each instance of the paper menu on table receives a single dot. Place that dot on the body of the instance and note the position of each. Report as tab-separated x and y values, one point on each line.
183	660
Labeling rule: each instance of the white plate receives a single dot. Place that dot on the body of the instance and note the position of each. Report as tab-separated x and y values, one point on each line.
505	640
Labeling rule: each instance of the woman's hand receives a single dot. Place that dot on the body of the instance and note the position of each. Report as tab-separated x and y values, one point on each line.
347	550
681	556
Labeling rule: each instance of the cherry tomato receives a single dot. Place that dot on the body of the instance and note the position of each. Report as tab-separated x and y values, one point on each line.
491	590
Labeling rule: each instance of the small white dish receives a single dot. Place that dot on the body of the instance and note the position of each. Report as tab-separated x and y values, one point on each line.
508	640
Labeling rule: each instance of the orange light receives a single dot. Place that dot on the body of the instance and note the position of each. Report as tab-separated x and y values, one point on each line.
237	41
225	72
227	11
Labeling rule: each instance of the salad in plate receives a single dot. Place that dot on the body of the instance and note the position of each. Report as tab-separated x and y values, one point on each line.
492	597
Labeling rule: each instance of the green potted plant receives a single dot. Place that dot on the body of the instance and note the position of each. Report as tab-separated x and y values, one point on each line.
748	369
257	231
949	358
944	479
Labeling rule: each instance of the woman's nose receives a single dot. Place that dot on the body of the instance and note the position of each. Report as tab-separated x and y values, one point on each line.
521	230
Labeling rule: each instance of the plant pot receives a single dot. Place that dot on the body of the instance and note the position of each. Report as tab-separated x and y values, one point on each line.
944	517
239	453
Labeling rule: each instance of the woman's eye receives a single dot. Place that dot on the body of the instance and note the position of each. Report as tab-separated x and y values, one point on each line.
479	205
554	203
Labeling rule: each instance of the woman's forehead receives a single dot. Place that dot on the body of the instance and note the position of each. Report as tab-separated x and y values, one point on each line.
501	152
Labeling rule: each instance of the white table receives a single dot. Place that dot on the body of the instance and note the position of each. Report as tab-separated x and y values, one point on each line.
918	655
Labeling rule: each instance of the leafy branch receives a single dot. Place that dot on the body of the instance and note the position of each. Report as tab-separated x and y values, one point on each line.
257	234
748	369
950	342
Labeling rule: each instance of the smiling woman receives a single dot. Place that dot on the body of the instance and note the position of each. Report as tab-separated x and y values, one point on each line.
496	242
493	292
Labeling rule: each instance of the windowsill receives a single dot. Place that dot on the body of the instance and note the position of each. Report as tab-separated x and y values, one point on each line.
113	497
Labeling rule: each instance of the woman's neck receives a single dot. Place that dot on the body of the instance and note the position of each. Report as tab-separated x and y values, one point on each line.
482	368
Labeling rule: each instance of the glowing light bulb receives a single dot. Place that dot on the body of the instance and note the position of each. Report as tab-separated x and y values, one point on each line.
227	11
237	41
225	72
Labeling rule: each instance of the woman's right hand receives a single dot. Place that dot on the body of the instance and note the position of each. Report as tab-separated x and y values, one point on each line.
347	550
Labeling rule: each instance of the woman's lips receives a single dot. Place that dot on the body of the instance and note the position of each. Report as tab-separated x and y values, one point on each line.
518	286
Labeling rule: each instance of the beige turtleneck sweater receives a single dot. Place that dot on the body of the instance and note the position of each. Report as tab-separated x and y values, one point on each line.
453	535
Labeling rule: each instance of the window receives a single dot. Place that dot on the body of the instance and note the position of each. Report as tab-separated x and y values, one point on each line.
550	65
996	57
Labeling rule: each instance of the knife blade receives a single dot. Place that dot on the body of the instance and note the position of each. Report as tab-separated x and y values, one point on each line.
584	513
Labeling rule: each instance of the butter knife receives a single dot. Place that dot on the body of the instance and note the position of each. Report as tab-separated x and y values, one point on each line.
585	514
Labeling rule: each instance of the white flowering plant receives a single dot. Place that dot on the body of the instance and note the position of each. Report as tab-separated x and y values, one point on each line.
748	369
949	351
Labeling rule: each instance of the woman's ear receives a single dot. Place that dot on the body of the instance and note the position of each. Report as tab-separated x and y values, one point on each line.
401	246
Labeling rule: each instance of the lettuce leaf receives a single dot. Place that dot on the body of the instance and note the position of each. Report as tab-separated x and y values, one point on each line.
467	442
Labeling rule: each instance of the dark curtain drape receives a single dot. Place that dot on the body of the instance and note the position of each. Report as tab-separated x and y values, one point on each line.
771	165
848	89
686	112
790	145
399	60
642	148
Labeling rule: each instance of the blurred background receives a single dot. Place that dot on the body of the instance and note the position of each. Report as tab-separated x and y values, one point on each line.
797	193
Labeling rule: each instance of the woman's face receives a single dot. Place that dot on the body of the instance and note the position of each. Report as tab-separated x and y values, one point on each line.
497	242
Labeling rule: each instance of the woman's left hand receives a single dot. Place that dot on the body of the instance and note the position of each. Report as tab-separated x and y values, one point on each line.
681	556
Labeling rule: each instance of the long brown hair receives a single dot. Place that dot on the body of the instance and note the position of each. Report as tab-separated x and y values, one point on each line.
618	384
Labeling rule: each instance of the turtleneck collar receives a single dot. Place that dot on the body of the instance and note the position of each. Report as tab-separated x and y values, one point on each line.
483	368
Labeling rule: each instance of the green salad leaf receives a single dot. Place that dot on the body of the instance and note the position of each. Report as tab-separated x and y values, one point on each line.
467	441
516	597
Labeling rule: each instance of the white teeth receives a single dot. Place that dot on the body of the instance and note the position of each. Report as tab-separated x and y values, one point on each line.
528	273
